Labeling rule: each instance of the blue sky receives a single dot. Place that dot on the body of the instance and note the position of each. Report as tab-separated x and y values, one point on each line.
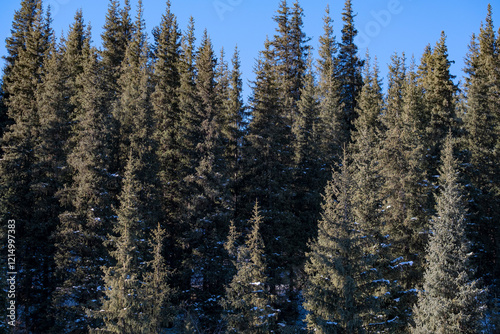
385	26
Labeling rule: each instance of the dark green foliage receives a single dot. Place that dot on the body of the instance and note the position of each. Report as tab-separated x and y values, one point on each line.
481	123
248	300
125	169
125	307
89	200
450	301
439	99
206	202
336	266
29	164
348	74
403	190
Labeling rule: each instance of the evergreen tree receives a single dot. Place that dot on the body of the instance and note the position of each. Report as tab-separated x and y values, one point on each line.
481	124
207	210
75	50
450	301
333	293
232	131
328	90
115	38
29	166
269	171
290	52
117	34
86	223
124	308
306	181
157	293
437	83
167	115
367	200
248	299
404	190
16	42
348	74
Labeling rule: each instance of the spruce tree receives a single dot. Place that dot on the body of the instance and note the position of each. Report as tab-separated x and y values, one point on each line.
333	291
27	188
329	129
269	171
80	250
403	190
207	211
348	74
167	115
307	163
437	82
233	119
75	51
481	123
157	292
450	301
248	300
123	309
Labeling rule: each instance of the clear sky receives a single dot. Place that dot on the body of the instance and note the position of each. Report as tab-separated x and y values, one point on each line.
385	26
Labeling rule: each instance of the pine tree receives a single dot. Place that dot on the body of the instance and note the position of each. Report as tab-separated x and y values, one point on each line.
450	301
481	125
117	34
80	251
403	190
234	113
187	99
167	115
291	52
248	300
334	293
329	129
123	309
306	181
207	211
16	43
157	292
75	50
115	37
269	171
348	73
27	190
437	82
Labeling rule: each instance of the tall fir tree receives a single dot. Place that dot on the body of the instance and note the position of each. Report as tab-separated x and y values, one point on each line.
403	190
481	123
328	90
167	115
338	267
207	209
29	165
124	307
232	131
269	171
75	50
437	82
79	240
116	35
248	300
348	73
450	301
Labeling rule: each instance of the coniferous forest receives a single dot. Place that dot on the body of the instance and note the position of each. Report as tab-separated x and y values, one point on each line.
141	193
